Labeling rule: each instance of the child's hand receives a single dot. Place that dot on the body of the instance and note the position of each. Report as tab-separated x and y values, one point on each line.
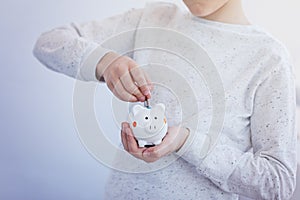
172	142
124	78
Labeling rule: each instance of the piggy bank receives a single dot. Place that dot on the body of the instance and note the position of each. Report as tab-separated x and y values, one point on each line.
149	125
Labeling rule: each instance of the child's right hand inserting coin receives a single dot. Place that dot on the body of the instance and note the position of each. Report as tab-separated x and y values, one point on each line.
124	78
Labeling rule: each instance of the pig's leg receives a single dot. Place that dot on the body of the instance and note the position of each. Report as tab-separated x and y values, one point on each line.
157	142
142	143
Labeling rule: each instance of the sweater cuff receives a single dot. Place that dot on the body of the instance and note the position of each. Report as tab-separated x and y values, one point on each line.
195	147
88	69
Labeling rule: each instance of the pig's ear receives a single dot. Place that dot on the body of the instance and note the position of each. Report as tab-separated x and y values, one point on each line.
161	107
136	109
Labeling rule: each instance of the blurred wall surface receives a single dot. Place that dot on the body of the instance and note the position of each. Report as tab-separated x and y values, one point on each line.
41	156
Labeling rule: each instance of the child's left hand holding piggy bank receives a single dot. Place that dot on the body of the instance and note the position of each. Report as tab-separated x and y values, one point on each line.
173	141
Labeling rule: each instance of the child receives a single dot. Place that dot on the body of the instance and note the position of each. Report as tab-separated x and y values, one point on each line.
256	152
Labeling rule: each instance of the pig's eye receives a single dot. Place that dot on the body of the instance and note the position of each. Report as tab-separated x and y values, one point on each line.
155	117
146	118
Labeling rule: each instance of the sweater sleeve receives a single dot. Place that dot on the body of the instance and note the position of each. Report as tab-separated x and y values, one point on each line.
75	49
267	172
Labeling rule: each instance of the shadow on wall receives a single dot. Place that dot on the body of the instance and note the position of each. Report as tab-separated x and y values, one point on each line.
298	95
298	116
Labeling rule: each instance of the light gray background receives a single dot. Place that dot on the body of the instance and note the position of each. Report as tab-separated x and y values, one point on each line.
41	156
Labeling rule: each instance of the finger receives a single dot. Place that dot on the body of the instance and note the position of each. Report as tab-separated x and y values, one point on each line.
164	148
130	87
131	142
125	125
138	76
124	140
157	152
133	148
112	88
149	83
123	137
122	93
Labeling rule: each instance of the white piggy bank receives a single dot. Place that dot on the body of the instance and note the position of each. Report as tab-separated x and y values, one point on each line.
149	125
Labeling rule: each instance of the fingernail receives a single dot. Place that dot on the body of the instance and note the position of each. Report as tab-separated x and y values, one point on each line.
123	126
147	92
133	99
142	99
127	130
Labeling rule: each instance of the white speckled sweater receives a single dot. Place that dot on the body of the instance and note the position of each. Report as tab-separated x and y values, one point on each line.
256	153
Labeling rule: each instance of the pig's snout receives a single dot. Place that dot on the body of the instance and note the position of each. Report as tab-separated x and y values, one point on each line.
152	127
